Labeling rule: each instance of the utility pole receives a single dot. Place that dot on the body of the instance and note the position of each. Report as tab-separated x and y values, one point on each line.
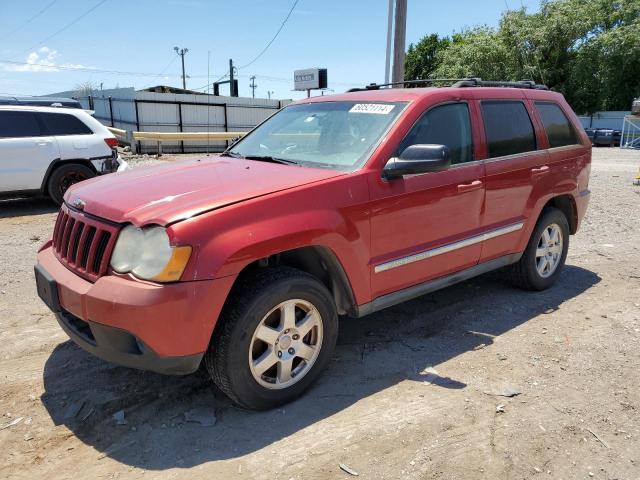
269	93
182	52
400	35
232	84
387	63
253	86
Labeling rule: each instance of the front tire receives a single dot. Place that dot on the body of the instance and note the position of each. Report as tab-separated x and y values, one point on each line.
545	255
65	176
273	339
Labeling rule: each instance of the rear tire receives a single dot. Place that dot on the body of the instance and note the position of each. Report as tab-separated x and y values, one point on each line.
275	336
543	259
65	176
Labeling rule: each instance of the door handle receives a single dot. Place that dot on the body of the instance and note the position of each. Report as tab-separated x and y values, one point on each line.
540	171
467	187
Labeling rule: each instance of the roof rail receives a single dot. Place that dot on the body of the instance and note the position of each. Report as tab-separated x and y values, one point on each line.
453	82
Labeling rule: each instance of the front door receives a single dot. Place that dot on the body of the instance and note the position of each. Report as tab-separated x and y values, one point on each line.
422	226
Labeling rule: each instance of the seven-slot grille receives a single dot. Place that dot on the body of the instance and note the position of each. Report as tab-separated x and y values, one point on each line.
82	243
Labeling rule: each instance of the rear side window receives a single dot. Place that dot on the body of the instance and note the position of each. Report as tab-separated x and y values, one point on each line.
508	128
448	125
556	124
19	125
64	124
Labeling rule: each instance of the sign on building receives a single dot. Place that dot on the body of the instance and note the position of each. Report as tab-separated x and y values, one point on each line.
310	79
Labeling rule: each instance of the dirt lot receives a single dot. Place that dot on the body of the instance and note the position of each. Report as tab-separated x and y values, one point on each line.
411	392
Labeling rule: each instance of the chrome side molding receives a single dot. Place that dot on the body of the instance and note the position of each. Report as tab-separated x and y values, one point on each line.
416	257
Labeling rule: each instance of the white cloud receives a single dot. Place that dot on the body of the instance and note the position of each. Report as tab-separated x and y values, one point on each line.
42	60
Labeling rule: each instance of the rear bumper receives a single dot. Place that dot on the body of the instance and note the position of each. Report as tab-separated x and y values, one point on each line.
164	328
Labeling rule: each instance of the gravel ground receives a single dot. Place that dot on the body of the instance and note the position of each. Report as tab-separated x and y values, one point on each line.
412	392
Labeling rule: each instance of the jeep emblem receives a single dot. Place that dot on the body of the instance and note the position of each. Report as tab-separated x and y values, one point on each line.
79	204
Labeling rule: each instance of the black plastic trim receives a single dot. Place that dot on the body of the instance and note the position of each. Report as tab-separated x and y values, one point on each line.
432	285
123	348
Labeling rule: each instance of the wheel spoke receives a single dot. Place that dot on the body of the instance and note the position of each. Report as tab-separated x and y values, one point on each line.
542	266
556	249
288	315
540	252
307	323
284	370
267	334
554	236
265	361
305	351
546	239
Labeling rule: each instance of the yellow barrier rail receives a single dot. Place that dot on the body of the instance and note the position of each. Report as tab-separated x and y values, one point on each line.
118	132
131	138
172	136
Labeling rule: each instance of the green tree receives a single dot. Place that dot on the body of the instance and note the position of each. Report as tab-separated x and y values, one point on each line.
478	52
587	49
422	58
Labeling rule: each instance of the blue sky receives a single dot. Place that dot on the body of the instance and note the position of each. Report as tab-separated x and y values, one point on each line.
348	37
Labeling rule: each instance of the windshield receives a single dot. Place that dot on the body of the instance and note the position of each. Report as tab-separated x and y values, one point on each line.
337	135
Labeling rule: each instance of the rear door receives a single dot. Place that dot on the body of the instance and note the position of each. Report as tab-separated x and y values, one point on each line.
76	140
512	167
26	151
421	224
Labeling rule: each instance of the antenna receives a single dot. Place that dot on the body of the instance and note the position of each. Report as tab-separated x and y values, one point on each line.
208	100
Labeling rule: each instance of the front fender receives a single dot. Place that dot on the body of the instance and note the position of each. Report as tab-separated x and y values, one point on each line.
333	217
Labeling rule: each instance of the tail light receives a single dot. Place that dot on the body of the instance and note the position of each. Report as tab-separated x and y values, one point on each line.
112	142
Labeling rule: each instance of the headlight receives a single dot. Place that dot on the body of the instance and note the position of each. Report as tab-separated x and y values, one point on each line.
147	254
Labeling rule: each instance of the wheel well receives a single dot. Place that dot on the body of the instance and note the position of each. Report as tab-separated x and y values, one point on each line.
59	163
566	205
320	262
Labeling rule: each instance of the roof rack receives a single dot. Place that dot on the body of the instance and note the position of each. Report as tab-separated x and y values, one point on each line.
453	82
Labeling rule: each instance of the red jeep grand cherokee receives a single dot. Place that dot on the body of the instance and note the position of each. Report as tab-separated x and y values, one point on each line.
336	205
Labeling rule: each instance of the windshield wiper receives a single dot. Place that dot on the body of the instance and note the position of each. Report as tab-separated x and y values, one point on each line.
268	158
231	154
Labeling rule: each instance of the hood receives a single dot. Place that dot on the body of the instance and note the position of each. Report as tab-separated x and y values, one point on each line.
164	194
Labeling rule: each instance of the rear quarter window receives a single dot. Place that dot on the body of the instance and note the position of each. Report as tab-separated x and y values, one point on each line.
19	125
61	124
508	128
559	130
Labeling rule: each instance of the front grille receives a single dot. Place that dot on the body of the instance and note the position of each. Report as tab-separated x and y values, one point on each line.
83	243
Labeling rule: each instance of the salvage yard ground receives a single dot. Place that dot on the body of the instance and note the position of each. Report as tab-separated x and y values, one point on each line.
413	392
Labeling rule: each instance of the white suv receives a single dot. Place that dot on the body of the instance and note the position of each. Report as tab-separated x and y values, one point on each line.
44	150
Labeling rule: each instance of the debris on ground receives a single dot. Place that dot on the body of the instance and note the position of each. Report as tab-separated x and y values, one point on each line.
13	422
73	410
119	417
204	416
506	392
500	408
349	470
597	437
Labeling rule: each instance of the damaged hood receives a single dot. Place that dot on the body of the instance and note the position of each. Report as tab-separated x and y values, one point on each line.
164	194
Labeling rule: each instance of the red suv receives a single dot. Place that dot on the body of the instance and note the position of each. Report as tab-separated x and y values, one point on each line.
336	205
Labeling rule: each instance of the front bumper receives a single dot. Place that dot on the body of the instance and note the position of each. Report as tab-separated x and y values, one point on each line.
163	328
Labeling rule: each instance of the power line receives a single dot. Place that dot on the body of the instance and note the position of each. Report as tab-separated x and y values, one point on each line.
21	26
173	60
68	25
83	69
274	37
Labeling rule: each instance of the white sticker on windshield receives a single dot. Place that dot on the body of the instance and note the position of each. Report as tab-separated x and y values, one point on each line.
376	108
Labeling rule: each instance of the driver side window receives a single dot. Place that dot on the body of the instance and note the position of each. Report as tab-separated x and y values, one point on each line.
448	125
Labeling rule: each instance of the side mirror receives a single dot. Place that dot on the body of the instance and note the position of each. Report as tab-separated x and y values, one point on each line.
418	159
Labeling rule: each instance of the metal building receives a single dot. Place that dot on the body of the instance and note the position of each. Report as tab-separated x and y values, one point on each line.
145	111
